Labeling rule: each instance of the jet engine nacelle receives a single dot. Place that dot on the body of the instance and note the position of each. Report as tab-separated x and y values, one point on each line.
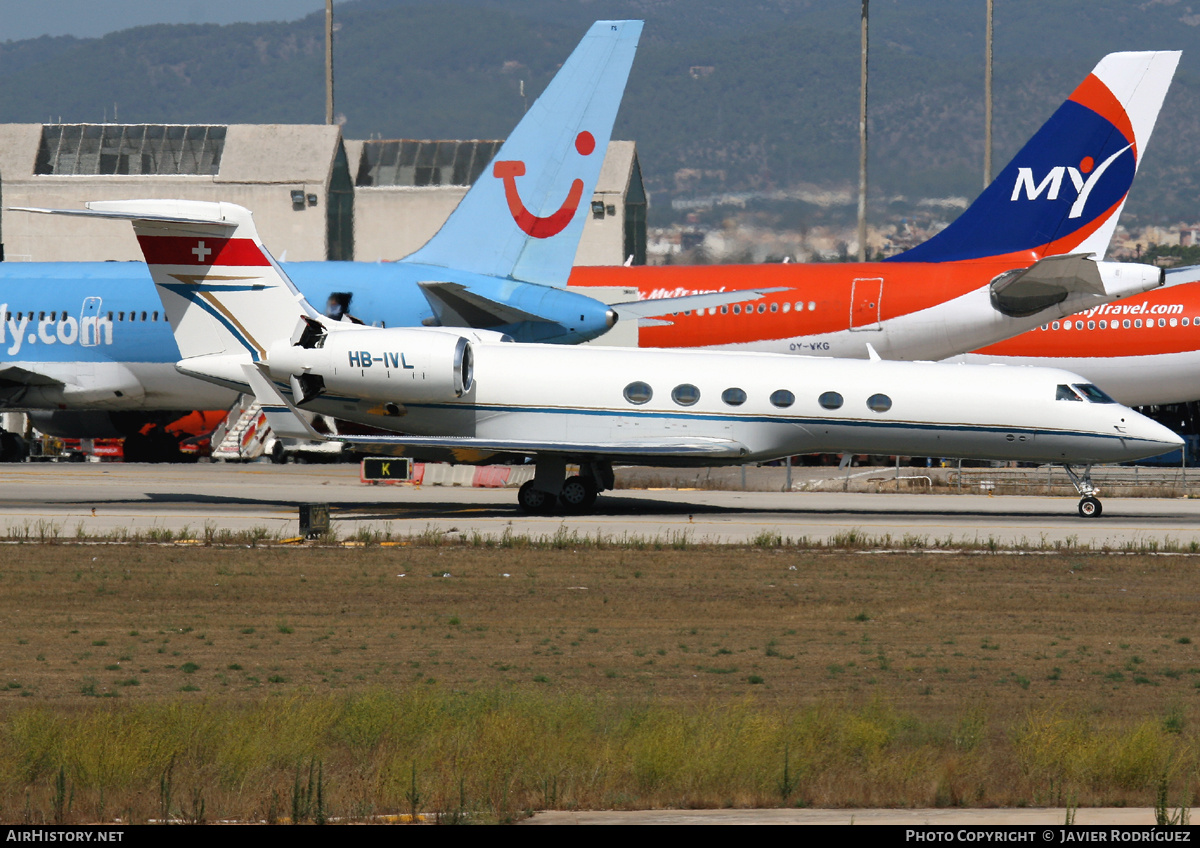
402	365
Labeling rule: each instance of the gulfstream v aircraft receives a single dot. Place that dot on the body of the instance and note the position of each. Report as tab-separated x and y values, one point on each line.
239	322
1024	253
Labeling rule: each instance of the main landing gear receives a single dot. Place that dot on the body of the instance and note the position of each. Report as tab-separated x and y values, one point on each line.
1089	504
548	492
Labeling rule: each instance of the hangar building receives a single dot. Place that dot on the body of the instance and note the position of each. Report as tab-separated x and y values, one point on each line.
314	195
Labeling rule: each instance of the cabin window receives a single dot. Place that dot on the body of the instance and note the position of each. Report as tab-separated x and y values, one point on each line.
1091	325
1065	392
774	307
1078	325
762	307
830	400
1093	393
787	307
1174	322
685	394
1184	322
1137	323
800	306
41	316
1125	323
638	392
733	397
782	398
132	316
155	315
879	403
737	310
1162	322
724	310
1055	325
120	316
1103	325
812	305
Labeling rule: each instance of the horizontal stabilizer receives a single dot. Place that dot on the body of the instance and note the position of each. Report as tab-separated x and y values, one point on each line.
1184	274
454	305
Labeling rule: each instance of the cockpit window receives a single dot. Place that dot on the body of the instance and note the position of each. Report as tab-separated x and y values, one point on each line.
1092	393
1065	392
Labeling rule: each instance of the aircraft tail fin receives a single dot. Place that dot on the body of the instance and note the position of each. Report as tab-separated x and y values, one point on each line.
1064	191
222	292
524	216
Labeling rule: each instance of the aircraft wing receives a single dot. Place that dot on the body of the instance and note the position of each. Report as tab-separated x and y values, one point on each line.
648	312
665	448
12	376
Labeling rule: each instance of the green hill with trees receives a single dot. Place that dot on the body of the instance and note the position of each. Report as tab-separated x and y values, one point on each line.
723	97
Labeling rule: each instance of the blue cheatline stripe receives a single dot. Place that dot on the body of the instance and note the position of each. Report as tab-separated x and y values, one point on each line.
236	333
732	419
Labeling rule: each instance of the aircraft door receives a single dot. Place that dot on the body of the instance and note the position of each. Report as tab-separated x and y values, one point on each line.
89	332
864	303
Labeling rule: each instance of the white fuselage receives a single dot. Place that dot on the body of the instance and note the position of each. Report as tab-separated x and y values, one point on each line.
578	395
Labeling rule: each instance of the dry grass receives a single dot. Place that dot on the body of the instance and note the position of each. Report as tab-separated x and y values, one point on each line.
517	677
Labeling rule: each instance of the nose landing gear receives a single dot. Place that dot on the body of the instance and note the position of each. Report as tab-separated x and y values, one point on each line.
1089	504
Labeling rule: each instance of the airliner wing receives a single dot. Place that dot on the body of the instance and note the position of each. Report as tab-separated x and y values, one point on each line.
646	311
12	376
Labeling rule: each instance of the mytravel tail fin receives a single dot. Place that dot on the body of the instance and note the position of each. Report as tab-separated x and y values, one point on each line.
1064	191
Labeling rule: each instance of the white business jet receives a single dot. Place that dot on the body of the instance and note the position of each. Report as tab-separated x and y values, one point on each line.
240	322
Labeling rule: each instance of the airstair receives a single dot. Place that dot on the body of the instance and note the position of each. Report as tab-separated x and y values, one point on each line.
243	435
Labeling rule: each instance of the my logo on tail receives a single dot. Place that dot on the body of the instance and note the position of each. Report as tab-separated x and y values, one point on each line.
556	222
1053	181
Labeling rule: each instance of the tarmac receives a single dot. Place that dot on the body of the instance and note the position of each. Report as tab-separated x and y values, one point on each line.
106	498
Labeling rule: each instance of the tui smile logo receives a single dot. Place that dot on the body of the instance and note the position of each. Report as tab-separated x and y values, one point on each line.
556	222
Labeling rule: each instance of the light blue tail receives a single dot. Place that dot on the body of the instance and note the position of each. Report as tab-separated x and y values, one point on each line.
524	215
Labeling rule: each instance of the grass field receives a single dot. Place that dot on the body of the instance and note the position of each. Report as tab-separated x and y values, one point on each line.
143	681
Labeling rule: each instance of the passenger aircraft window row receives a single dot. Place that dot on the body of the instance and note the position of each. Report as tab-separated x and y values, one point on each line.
685	394
1123	324
752	309
64	315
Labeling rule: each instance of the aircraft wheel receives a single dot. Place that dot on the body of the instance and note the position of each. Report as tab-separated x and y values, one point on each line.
1090	507
12	448
578	494
534	501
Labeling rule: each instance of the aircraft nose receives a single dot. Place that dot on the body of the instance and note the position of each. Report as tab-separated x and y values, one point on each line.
1139	427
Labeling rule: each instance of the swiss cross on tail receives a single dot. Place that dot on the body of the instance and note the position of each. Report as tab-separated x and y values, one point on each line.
205	252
